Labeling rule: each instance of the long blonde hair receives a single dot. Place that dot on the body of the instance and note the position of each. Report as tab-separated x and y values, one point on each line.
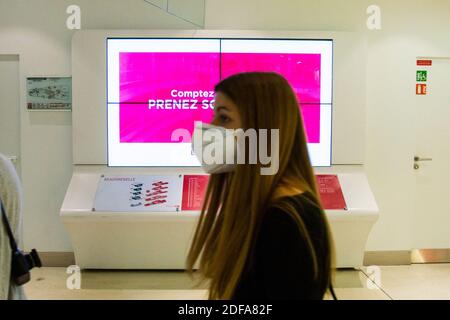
235	202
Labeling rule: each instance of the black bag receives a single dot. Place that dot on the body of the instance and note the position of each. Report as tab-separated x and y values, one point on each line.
21	263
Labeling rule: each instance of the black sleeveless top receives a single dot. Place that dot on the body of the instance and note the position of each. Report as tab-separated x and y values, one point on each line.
280	265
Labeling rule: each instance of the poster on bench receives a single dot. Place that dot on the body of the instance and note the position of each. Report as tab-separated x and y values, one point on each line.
194	190
330	192
148	193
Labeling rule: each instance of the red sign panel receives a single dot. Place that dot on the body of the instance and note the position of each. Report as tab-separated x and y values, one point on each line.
194	189
424	62
421	89
330	192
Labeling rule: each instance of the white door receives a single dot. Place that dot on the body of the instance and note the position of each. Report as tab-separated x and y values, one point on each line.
431	227
9	107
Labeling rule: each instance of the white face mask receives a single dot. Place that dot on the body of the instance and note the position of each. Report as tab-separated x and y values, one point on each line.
215	147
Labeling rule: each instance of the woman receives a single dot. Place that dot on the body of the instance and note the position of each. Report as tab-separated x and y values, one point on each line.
11	197
263	236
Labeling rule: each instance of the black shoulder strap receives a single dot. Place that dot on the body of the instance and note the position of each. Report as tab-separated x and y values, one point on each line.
12	241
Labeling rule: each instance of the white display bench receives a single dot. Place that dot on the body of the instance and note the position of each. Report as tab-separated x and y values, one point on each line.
160	240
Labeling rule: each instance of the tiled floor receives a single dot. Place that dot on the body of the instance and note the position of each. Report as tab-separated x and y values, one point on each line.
430	281
417	281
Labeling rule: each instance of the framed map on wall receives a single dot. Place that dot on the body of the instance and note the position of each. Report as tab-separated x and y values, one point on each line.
49	93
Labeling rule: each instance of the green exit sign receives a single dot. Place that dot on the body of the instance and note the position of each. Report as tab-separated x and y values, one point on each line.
421	75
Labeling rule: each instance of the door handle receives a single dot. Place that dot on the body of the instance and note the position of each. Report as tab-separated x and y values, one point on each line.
417	159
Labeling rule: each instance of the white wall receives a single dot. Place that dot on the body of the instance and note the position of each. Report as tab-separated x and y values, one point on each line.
409	29
36	30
